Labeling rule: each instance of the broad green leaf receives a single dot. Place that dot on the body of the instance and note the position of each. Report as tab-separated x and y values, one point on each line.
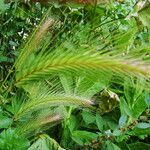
110	146
66	137
143	125
139	106
88	117
122	120
111	121
133	91
9	140
117	132
123	146
100	122
5	122
142	129
5	59
73	123
125	110
82	137
147	99
45	143
3	6
139	146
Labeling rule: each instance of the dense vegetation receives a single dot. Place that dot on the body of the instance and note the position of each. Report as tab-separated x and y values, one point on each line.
74	75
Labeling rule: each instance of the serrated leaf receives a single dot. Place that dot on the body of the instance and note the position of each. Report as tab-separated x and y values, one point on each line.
122	120
88	117
73	123
82	137
143	125
45	143
3	6
110	146
117	132
139	106
5	122
139	146
125	110
142	129
123	146
100	122
147	99
9	140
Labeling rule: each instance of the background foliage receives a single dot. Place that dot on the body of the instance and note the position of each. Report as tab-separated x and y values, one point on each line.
81	78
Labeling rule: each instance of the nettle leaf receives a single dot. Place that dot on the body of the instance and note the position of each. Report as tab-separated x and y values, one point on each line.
117	132
123	120
134	98
147	99
143	125
142	129
73	123
110	146
139	146
83	137
125	110
45	143
15	105
139	106
100	122
5	59
9	140
123	146
88	117
3	6
66	140
5	121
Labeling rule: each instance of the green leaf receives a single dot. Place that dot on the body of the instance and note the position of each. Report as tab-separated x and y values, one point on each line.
44	142
73	123
144	15
3	59
111	121
66	137
110	146
143	125
117	132
125	110
122	120
135	97
83	137
147	99
123	146
3	6
142	129
100	122
5	122
12	43
9	140
88	117
139	146
139	106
